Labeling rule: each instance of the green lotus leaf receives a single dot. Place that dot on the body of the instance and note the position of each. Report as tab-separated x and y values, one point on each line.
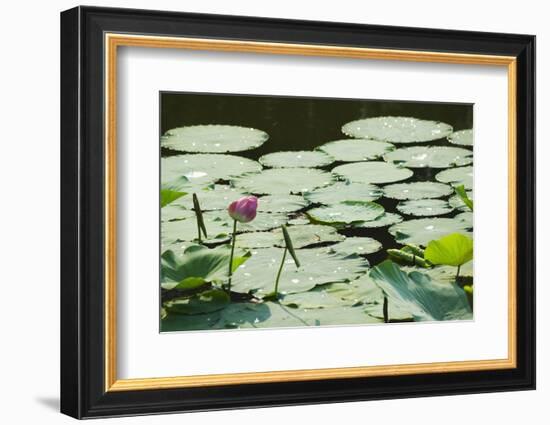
344	191
204	302
296	159
417	190
318	267
386	219
424	207
372	172
213	138
356	245
423	230
457	202
462	137
283	181
457	176
281	203
347	213
397	129
451	250
430	157
426	299
461	192
202	169
351	150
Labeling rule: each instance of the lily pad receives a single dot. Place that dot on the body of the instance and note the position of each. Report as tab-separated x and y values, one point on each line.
426	299
397	129
457	176
202	169
212	198
344	191
430	157
317	268
263	221
444	274
417	190
281	203
351	150
462	137
346	213
213	138
283	181
386	219
204	302
424	207
296	159
466	217
372	172
356	245
174	212
423	230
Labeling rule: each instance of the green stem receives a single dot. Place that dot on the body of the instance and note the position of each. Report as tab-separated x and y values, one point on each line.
457	274
279	272
198	226
385	310
233	239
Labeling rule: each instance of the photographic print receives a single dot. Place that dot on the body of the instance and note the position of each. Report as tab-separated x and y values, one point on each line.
302	212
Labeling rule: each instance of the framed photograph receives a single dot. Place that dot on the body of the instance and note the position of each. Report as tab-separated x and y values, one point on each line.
261	212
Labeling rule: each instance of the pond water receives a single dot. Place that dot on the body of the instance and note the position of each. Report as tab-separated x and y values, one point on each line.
390	212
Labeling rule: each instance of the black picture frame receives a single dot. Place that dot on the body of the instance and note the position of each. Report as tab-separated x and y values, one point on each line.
83	392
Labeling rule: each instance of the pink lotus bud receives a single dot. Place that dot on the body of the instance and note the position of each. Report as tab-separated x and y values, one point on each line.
244	209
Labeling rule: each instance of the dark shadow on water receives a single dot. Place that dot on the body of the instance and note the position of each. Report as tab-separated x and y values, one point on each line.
49	402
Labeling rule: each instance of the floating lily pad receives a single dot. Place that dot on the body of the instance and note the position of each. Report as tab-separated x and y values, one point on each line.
427	300
300	219
430	157
281	203
212	198
397	129
213	138
424	207
356	245
462	137
317	267
417	190
206	168
346	213
254	240
386	219
344	191
444	274
456	201
351	150
283	181
423	230
457	176
466	217
296	159
372	172
175	212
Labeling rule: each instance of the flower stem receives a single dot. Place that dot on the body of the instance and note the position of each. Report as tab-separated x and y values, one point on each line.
457	274
233	239
276	291
198	227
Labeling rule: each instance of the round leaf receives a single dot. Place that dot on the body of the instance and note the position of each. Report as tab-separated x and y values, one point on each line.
279	181
422	231
462	137
451	250
430	157
372	172
346	213
417	190
351	150
296	159
457	176
344	191
424	207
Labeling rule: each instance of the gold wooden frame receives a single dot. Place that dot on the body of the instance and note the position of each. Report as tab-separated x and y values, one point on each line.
113	41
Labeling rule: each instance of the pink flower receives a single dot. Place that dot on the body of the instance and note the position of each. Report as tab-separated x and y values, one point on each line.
243	210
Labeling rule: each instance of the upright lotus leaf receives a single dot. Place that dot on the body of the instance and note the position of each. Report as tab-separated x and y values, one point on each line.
417	190
289	246
427	300
347	213
457	176
200	219
279	181
344	191
296	159
425	207
423	230
356	245
386	219
281	203
372	172
456	201
198	262
213	138
352	150
461	192
204	302
451	250
202	169
397	129
318	267
430	157
462	137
